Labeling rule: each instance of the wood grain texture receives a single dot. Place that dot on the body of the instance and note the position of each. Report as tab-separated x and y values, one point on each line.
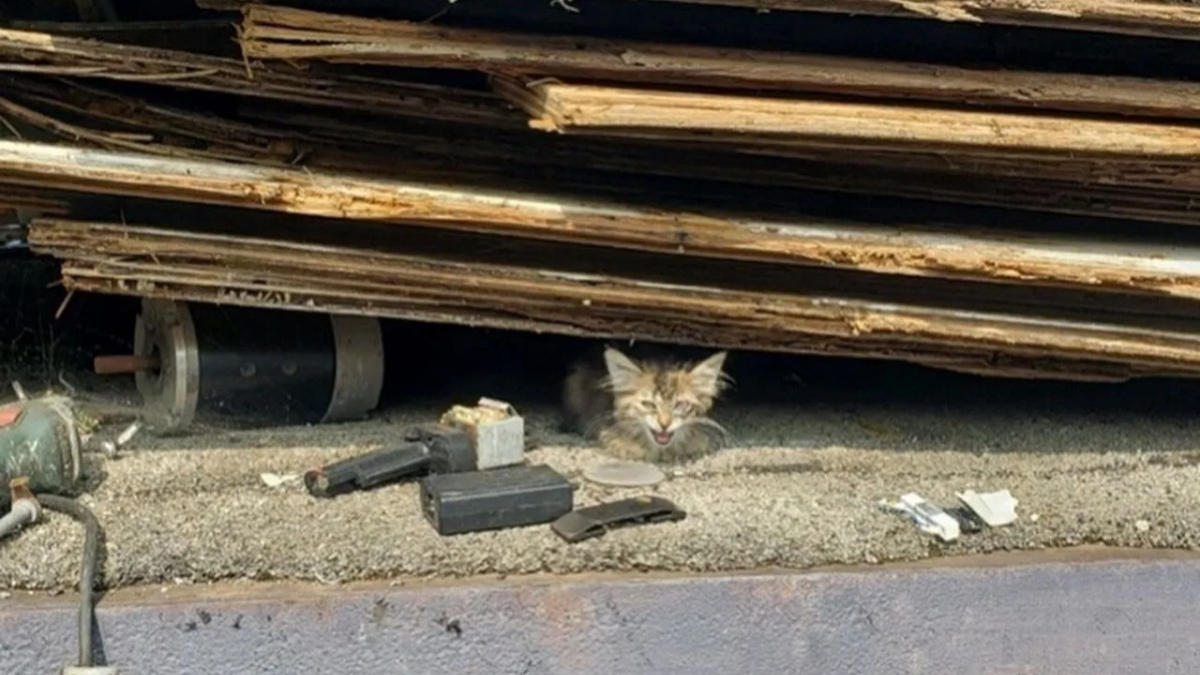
494	290
914	251
1149	18
313	138
284	33
722	118
47	54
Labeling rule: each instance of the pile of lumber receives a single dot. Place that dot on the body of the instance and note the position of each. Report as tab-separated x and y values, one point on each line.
1006	222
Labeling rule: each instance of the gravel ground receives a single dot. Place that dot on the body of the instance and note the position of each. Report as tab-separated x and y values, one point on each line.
800	490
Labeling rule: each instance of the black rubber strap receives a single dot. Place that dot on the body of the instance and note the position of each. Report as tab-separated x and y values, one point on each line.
595	521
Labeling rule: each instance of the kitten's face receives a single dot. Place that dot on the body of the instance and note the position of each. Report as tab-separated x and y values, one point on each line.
663	400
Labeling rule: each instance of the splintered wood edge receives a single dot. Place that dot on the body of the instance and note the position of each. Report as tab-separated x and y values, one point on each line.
288	33
980	361
186	70
1122	17
531	97
818	317
621	111
550	218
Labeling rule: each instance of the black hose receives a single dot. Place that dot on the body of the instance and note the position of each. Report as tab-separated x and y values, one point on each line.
87	572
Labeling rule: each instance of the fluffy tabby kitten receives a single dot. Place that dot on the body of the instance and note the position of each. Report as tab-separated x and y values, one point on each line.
654	411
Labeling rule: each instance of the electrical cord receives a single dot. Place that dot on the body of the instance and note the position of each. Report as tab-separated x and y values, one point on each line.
87	573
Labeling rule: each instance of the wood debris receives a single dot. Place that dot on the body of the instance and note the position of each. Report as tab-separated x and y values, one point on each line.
505	289
290	34
918	252
745	120
58	55
1015	221
1150	18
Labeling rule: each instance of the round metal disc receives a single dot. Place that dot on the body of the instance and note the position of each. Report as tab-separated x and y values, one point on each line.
358	378
169	395
625	474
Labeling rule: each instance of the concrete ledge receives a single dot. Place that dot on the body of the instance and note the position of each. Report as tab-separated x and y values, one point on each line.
1116	612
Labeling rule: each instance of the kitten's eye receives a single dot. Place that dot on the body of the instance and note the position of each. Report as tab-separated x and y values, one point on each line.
648	406
683	408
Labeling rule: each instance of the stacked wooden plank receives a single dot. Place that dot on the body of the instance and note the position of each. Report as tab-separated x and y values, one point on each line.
612	188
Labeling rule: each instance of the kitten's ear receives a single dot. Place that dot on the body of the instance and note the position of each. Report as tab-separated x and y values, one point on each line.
707	376
622	371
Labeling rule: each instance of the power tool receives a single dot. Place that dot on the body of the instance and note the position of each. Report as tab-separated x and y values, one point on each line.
40	465
39	441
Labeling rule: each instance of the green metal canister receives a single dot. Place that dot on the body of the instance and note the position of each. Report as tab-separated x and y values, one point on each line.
39	440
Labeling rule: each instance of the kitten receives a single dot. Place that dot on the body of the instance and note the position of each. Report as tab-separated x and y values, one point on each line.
650	411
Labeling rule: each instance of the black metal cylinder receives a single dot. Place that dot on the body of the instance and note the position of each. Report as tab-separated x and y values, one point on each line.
220	365
262	366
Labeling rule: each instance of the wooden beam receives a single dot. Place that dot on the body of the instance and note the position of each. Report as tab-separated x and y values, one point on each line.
43	53
1149	18
1150	191
309	139
1002	257
21	197
491	291
290	34
640	113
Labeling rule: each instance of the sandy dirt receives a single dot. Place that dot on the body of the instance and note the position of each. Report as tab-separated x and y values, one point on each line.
818	444
801	490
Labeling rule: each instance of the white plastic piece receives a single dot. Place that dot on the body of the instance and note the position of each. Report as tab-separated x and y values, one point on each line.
275	480
928	517
625	474
997	509
89	670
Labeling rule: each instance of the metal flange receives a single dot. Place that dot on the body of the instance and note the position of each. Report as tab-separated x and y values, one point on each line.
165	333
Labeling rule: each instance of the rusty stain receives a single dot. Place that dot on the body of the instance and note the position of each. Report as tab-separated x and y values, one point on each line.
570	612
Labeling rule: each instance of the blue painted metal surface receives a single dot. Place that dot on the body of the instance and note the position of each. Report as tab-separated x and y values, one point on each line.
1058	619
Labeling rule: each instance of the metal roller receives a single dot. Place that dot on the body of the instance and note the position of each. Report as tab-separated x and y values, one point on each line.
195	362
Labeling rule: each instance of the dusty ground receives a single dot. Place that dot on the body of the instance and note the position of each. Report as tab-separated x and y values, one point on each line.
819	444
196	509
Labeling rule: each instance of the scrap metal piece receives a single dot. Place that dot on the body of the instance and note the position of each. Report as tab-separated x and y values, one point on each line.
164	331
928	517
968	522
269	367
358	367
997	509
39	440
595	521
496	429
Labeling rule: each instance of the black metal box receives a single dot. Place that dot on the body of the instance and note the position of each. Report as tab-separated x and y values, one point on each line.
455	503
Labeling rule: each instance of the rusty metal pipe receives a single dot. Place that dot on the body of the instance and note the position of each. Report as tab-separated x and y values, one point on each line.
124	364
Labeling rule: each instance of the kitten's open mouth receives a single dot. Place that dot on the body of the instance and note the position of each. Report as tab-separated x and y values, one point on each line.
662	437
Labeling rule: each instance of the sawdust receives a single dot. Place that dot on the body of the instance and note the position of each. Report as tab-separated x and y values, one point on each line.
801	492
